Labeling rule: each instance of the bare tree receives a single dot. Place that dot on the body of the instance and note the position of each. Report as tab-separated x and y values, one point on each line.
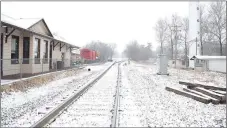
172	33
161	33
176	24
184	37
169	35
105	51
137	52
203	26
112	49
132	50
217	22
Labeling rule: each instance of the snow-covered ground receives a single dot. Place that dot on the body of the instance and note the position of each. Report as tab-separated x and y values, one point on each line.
4	82
161	108
86	66
143	102
130	113
20	108
206	77
92	109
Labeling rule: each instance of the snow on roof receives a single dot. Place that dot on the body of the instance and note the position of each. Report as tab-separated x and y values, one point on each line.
210	57
58	37
28	22
22	22
8	19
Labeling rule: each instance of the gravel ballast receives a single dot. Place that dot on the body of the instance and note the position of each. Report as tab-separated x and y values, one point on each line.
167	109
20	108
93	108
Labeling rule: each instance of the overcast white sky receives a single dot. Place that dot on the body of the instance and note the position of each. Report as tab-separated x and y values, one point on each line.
110	22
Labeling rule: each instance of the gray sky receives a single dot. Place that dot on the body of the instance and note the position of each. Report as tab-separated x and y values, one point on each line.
110	22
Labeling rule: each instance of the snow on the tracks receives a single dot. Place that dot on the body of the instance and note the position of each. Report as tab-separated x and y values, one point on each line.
169	109
20	108
130	114
92	109
144	100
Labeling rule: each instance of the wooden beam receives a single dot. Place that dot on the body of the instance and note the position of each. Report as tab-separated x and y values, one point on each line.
9	35
55	45
68	47
210	93
213	100
52	42
6	30
219	92
192	85
61	46
189	95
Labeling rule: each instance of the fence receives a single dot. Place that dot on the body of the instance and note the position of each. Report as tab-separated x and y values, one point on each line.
26	67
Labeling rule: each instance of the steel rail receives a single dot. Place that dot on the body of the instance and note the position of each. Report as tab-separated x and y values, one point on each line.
115	117
51	116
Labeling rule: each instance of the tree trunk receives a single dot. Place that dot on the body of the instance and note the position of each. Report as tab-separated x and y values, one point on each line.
220	48
161	52
201	43
186	53
171	48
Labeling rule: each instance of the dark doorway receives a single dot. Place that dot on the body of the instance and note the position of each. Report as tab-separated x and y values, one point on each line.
26	46
50	62
1	53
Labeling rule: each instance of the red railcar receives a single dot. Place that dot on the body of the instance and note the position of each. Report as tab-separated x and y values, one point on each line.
93	55
88	54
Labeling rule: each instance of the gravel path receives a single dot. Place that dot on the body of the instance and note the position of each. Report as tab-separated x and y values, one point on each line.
20	108
92	109
167	109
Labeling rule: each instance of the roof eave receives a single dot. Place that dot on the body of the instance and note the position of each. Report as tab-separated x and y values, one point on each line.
23	29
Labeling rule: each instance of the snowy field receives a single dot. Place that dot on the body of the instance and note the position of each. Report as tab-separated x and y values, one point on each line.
21	108
92	109
161	108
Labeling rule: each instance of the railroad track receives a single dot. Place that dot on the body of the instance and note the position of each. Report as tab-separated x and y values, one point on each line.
57	111
115	117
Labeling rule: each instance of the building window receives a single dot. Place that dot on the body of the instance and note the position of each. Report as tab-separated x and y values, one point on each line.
15	50
37	51
45	53
26	47
198	63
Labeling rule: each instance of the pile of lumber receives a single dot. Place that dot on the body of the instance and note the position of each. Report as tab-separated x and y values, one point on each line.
201	92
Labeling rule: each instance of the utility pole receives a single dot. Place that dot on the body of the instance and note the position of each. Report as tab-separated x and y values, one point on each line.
176	39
